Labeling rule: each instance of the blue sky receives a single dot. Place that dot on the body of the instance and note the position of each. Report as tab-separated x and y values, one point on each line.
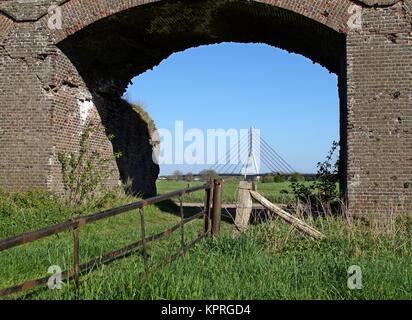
293	101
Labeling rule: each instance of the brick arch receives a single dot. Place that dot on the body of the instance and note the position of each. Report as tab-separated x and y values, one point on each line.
322	22
79	14
147	32
105	44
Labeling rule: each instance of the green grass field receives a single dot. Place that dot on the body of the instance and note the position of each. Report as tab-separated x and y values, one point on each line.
272	191
270	261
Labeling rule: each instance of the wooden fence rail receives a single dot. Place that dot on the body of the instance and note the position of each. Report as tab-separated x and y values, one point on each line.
209	212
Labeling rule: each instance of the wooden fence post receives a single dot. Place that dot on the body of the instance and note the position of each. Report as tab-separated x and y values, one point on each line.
217	207
244	206
208	199
182	226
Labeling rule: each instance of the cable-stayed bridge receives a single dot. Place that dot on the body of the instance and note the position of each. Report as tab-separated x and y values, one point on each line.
252	156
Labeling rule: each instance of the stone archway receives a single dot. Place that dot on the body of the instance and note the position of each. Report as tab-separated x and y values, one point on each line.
55	74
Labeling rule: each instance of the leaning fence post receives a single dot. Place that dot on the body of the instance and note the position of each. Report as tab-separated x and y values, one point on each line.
217	207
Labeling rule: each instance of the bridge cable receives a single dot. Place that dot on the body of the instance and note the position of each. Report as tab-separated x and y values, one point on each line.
221	168
278	156
276	163
224	158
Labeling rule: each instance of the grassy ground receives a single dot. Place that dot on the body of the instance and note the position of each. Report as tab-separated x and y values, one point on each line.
271	261
275	192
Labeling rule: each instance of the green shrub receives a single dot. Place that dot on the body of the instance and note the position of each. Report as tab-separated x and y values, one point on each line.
209	175
279	178
297	177
324	190
84	174
268	178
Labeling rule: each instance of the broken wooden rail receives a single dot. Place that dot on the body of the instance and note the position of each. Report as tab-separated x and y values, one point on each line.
294	221
247	192
210	214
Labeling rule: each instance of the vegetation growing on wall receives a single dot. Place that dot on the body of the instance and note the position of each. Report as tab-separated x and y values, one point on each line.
139	109
84	174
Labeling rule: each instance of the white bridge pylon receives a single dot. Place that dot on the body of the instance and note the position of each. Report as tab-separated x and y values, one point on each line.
251	159
255	153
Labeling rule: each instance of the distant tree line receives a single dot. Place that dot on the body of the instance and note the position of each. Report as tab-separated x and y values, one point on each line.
189	176
211	174
279	178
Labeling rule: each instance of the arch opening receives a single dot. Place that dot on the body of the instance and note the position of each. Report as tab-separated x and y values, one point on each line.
110	52
227	88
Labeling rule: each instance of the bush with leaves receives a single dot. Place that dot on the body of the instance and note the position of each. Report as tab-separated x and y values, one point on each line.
85	174
279	178
328	176
324	188
301	191
297	177
209	174
268	178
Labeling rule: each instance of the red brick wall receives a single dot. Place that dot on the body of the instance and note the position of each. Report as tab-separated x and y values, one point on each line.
380	112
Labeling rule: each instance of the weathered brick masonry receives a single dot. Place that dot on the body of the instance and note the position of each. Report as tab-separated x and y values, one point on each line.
54	80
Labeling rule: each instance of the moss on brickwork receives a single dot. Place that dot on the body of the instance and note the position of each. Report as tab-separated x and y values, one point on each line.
139	109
